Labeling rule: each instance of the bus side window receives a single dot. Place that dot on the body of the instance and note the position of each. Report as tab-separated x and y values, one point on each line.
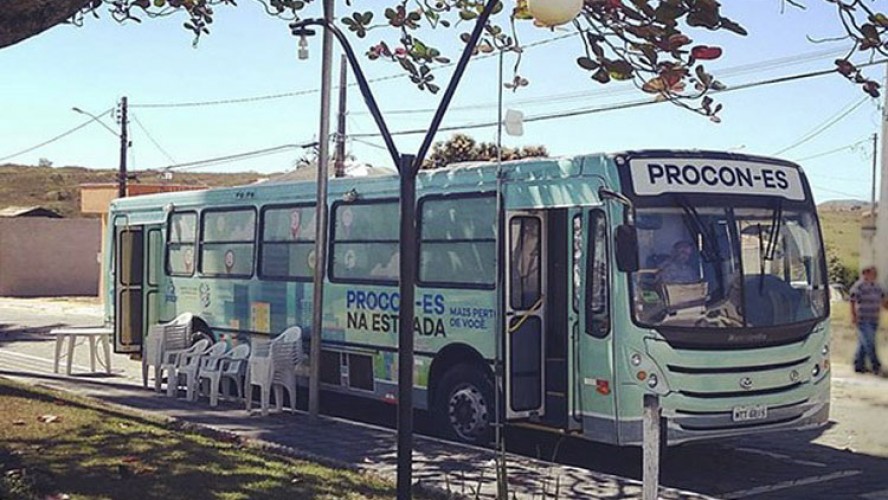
458	241
181	236
227	242
286	248
597	292
364	246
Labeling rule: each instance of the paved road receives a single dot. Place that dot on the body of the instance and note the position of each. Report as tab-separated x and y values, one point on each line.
847	459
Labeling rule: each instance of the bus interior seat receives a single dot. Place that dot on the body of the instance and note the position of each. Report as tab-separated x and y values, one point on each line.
769	298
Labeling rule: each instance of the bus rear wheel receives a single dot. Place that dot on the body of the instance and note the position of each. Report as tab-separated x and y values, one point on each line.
201	332
463	409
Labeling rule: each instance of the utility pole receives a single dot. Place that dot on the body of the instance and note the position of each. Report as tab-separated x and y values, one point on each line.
881	239
317	312
124	145
875	169
868	235
339	165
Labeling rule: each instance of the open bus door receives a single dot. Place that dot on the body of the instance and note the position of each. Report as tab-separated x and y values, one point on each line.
137	264
525	316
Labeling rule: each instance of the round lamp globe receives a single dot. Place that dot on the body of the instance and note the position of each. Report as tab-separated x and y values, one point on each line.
554	12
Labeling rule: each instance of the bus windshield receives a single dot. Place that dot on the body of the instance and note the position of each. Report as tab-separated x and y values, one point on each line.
728	267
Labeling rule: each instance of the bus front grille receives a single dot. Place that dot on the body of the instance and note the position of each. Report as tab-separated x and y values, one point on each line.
736	369
741	394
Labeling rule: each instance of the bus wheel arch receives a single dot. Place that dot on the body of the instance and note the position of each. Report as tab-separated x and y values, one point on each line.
461	394
201	330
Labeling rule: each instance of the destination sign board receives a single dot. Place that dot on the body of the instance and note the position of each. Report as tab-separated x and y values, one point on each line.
654	176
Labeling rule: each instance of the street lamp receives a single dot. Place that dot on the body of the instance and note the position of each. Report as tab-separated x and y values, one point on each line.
97	119
124	143
408	166
554	12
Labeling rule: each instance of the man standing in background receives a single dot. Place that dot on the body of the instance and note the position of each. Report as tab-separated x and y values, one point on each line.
867	299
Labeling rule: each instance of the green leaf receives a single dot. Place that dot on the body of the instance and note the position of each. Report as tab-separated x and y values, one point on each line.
367	17
879	19
467	15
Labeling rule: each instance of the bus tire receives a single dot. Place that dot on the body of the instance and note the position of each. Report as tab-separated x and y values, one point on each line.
463	409
202	332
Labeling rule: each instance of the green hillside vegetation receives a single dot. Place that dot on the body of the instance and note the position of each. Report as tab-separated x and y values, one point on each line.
58	189
841	234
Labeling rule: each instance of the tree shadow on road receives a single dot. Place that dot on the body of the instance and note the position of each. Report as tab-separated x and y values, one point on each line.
10	333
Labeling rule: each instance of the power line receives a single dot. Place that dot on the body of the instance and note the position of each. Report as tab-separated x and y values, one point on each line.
834	191
242	100
758	67
832	151
621	106
151	138
823	127
56	138
234	157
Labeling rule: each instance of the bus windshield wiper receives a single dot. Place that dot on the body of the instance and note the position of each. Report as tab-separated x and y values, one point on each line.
695	226
776	220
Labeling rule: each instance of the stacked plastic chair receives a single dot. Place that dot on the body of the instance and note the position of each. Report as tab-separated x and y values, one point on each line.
231	366
188	368
177	362
163	338
273	365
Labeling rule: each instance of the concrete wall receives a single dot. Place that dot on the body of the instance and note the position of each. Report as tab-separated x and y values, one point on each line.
49	257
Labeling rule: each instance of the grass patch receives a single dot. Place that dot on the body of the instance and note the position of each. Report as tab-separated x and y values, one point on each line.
841	234
844	335
56	444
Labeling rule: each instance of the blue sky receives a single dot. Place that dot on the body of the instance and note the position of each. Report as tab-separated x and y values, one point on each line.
251	54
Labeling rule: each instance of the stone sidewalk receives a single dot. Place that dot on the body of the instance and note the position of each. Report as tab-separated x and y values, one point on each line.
26	355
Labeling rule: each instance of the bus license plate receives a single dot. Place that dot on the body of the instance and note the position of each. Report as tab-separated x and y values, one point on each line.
750	412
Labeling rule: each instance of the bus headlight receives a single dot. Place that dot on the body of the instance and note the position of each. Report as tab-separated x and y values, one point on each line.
815	371
825	350
652	380
635	359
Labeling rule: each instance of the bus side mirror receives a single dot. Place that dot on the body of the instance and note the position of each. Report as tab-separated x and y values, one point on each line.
627	248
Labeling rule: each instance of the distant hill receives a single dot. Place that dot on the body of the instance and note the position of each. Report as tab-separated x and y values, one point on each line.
59	188
844	205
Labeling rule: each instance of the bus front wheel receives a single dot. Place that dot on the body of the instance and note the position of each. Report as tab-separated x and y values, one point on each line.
464	408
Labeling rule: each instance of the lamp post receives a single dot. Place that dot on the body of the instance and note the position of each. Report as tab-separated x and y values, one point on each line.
124	143
408	166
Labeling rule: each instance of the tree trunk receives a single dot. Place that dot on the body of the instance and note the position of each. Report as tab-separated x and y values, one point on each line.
20	20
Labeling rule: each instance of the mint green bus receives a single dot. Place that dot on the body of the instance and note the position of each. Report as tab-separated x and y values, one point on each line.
696	276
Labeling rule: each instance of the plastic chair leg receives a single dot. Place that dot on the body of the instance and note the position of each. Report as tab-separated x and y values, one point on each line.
291	388
190	387
214	391
278	397
172	383
265	392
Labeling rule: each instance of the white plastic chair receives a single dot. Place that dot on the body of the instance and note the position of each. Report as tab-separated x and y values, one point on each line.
230	366
164	337
178	361
189	368
273	365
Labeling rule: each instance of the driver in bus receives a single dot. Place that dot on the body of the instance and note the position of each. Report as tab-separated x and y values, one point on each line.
680	267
